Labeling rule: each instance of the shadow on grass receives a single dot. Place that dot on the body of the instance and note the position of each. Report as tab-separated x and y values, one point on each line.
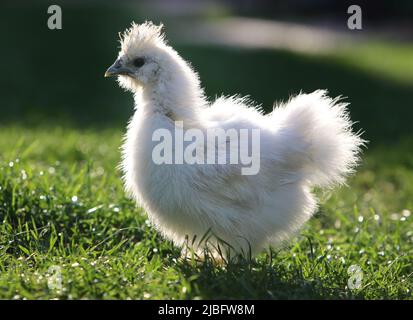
215	273
265	279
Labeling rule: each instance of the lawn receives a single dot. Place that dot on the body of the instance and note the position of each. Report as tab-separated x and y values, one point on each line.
63	208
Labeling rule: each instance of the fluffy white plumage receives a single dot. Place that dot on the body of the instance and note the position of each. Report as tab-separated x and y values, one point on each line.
306	142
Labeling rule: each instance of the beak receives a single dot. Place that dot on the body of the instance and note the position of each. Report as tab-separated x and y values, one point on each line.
116	69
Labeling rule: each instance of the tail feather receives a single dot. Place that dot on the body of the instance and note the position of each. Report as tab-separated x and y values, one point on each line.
320	131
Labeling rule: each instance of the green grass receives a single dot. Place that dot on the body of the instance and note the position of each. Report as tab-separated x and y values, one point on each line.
62	203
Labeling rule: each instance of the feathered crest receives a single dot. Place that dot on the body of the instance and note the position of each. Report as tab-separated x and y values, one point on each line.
141	34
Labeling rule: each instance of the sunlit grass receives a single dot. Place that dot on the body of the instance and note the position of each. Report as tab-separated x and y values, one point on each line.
388	60
63	205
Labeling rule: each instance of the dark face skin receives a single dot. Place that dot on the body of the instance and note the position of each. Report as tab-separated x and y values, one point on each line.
125	67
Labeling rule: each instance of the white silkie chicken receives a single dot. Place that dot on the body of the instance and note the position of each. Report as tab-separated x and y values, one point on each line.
304	143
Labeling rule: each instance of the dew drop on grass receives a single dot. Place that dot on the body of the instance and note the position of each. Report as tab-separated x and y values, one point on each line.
406	213
394	216
100	171
24	174
91	210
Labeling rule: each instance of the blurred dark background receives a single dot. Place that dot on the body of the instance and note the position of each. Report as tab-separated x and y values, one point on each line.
266	49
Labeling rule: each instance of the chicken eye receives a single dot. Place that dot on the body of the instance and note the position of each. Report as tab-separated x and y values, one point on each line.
139	62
